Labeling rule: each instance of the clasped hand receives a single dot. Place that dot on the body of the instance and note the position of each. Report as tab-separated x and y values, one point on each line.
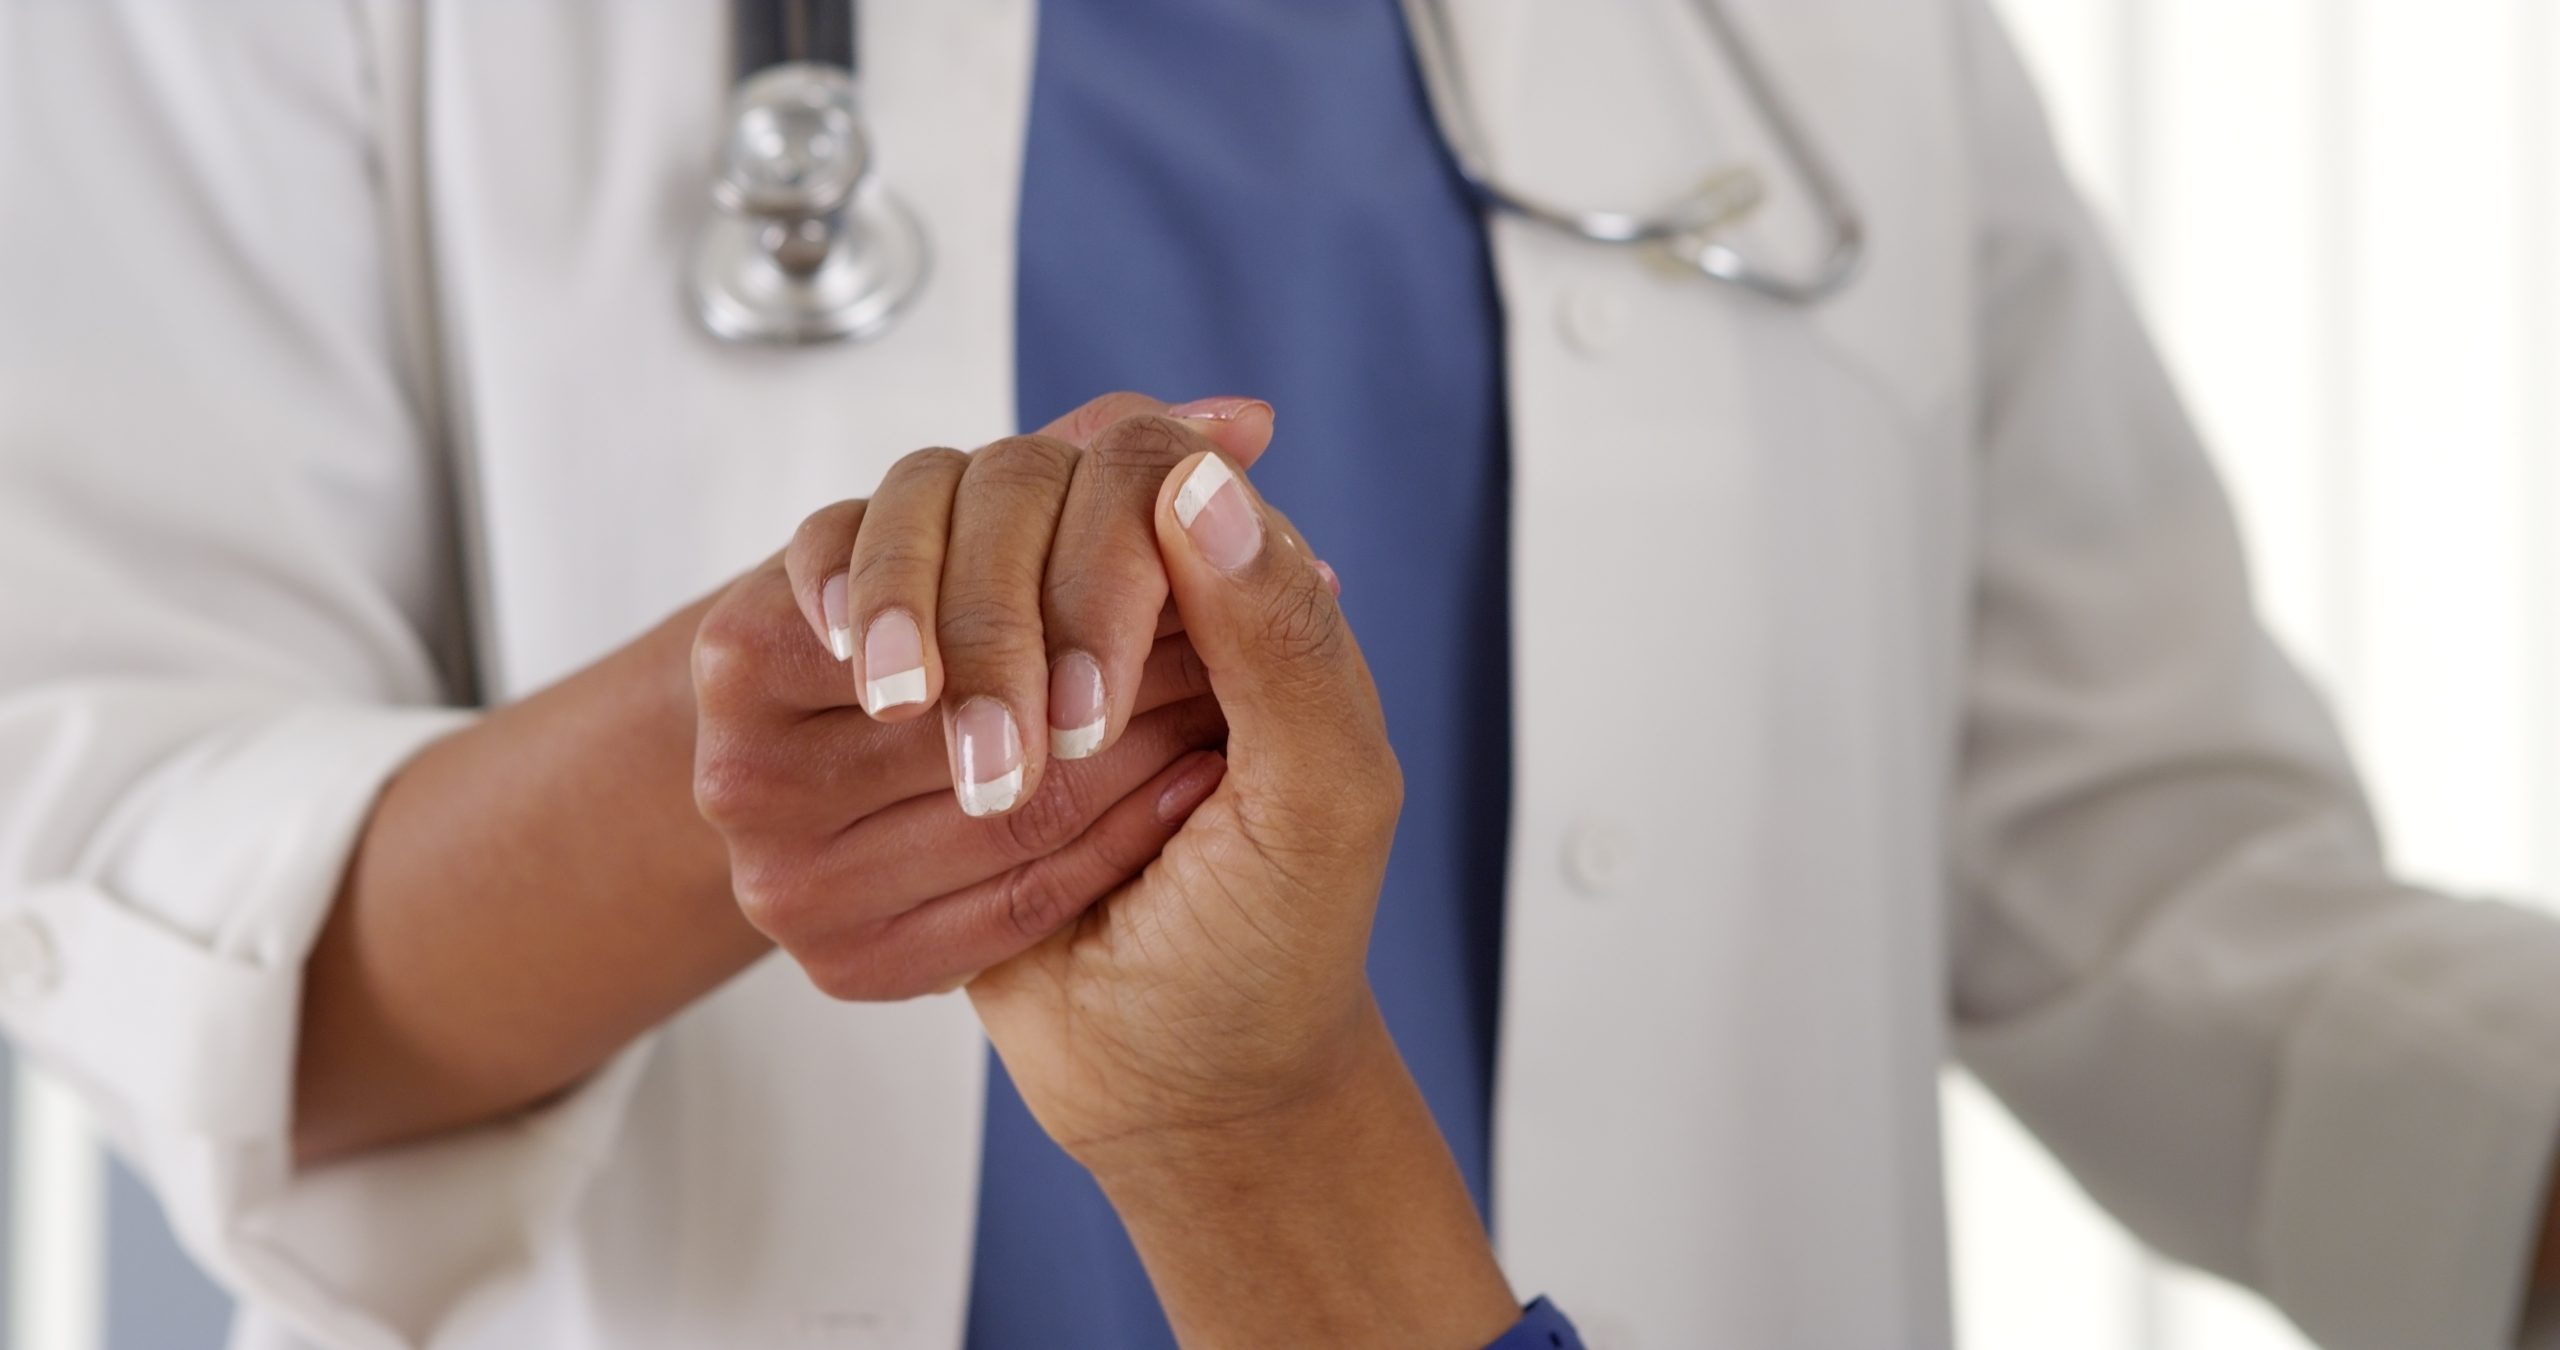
1161	905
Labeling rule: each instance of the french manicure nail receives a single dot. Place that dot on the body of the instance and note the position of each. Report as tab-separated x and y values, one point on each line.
892	662
839	628
1212	507
1077	711
1217	409
989	777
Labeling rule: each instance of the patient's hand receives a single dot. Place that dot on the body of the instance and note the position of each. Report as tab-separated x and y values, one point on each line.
1016	587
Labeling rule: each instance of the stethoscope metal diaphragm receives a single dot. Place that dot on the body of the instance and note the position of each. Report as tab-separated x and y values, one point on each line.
803	243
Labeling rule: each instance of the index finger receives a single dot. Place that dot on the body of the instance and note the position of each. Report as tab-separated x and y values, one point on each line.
1227	420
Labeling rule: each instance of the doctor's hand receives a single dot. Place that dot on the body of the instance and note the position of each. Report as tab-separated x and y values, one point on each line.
961	582
1204	1039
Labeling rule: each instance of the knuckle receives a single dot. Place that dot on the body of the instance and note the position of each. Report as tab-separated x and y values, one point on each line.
730	786
725	656
1087	421
1053	818
1034	903
937	461
823	526
974	627
1364	811
1023	463
1384	795
770	890
1150	443
1301	624
896	561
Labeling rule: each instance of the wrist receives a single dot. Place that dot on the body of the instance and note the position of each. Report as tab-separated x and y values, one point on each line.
1336	1217
1205	1134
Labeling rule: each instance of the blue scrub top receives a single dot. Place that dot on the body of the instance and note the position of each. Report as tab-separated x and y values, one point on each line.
1249	197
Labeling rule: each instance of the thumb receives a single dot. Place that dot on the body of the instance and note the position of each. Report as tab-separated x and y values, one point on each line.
1301	709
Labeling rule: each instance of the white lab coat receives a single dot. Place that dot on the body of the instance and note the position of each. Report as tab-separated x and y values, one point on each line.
1887	686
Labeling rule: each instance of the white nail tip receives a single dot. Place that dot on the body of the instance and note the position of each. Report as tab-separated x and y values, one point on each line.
840	641
986	799
1076	742
1193	496
895	691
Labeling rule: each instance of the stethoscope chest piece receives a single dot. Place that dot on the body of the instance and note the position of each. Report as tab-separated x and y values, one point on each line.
803	244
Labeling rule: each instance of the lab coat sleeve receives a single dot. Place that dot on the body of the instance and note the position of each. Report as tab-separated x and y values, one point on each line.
2179	956
227	599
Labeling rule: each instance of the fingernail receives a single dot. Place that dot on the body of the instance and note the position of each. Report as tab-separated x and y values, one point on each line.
839	628
1211	506
893	662
1332	582
989	779
1218	409
1189	788
1076	708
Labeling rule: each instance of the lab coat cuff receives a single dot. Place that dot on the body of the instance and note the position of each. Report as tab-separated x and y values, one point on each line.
2415	1133
165	1029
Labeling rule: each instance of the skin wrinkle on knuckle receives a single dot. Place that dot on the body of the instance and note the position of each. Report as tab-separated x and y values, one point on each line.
929	463
976	629
1149	441
1033	900
1123	479
1053	818
899	558
1301	626
1098	414
1026	465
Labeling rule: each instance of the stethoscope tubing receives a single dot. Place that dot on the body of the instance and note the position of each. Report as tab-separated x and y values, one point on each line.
772	267
1687	226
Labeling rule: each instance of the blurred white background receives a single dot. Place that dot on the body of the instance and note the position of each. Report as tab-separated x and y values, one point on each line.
2344	217
2344	220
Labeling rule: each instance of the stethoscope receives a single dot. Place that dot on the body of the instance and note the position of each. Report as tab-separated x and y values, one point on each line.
803	244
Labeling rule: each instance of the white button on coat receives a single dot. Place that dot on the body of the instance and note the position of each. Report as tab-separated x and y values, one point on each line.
1595	857
1594	317
1905	640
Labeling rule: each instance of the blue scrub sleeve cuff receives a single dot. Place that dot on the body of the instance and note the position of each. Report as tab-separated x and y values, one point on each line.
1540	1327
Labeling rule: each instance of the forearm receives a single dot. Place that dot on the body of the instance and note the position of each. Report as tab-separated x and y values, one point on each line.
1342	1221
529	895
